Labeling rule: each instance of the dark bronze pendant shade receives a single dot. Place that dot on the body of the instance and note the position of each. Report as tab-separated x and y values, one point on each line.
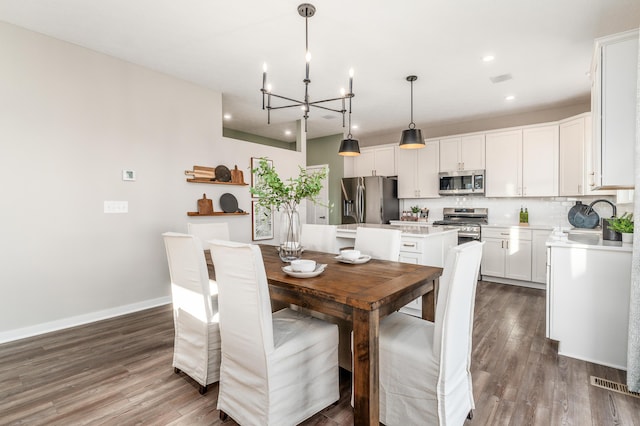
412	137
349	147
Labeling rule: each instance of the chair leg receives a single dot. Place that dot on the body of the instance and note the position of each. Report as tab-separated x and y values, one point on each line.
176	370
202	389
470	415
223	416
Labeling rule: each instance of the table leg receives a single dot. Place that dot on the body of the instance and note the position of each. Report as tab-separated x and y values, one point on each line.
429	302
366	400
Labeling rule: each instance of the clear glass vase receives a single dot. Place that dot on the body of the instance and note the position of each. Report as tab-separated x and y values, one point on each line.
290	248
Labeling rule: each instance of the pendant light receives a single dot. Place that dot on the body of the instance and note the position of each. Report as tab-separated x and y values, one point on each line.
349	147
412	137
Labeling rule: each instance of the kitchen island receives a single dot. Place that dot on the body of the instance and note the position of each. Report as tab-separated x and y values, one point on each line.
421	245
588	282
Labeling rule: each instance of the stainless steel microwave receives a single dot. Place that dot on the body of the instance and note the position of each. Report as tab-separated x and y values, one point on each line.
462	182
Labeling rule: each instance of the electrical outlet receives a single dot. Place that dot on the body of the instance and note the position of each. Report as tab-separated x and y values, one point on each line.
116	207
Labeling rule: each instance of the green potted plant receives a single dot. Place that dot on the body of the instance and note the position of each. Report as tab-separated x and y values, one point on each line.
623	225
415	210
275	194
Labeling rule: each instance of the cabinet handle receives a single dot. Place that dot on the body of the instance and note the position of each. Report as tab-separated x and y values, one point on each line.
507	245
408	245
502	244
504	233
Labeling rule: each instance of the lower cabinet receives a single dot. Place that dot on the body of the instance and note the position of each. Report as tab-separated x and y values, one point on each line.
539	256
507	253
430	251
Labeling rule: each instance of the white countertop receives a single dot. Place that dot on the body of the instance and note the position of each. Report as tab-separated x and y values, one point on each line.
560	238
407	230
532	227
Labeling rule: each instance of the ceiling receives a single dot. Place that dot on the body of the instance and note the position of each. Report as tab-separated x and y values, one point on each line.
546	46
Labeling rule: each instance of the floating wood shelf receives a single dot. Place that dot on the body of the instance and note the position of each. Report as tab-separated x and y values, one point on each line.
217	214
214	182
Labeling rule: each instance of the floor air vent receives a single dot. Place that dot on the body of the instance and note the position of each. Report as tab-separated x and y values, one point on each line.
613	386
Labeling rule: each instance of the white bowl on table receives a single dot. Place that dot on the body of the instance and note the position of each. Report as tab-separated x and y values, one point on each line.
350	254
303	265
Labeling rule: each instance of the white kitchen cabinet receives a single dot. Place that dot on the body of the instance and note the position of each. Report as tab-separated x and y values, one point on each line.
588	302
540	161
573	134
539	255
418	171
465	152
504	164
507	253
431	251
522	162
376	161
613	104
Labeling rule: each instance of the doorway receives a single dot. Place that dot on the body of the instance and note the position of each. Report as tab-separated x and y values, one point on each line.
319	213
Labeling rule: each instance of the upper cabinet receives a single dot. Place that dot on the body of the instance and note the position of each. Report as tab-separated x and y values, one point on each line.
522	162
462	153
573	134
540	161
504	164
373	161
613	104
418	171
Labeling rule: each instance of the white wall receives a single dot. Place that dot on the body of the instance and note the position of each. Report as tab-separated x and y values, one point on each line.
70	121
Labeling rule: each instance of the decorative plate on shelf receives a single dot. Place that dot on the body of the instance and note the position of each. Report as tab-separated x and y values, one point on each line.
228	203
223	174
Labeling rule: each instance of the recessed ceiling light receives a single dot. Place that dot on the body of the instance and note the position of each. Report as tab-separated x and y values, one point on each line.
488	58
354	126
509	98
287	132
227	116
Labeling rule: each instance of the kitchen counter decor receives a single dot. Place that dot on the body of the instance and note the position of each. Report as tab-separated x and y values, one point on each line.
274	193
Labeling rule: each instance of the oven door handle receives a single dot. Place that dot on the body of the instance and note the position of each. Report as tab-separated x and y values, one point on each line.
469	235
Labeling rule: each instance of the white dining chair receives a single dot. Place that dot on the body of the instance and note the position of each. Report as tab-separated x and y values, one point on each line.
277	369
196	348
379	243
319	237
425	375
209	231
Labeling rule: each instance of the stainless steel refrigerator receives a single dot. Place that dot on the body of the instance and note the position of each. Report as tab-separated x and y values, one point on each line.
370	199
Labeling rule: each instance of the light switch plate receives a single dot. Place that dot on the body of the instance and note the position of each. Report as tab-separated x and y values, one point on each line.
116	207
128	175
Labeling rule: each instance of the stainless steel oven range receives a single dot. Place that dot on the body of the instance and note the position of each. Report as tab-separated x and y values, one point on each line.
468	220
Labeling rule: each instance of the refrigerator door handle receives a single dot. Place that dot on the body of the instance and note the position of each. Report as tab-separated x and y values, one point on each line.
360	200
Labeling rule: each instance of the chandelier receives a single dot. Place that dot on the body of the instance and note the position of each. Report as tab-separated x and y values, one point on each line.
305	10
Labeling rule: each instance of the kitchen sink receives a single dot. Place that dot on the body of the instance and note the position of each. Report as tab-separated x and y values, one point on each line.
584	235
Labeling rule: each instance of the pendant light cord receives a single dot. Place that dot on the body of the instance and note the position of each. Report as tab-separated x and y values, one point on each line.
412	125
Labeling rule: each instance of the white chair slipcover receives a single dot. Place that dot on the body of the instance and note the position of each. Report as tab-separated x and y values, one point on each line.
379	243
277	369
319	237
425	375
209	231
196	349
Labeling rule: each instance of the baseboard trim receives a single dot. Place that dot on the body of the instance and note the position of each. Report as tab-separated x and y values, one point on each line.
47	327
509	281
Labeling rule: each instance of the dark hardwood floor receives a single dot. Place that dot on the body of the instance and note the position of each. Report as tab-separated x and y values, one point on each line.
118	372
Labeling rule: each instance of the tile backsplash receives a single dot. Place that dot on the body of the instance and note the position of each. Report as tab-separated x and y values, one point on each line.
549	211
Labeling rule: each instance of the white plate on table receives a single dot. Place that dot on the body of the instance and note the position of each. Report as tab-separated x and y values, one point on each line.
362	259
319	269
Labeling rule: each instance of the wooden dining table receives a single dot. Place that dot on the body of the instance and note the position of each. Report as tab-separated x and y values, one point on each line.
362	294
